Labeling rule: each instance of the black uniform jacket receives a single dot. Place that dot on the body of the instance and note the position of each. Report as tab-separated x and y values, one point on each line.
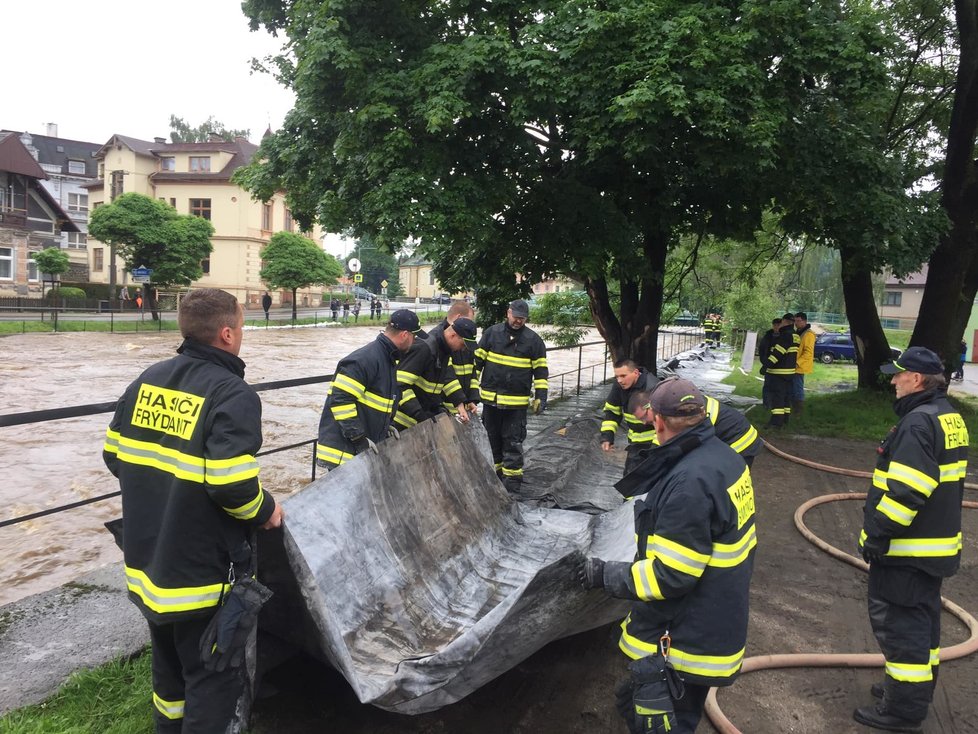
784	352
182	443
691	575
511	367
918	485
360	402
427	380
616	408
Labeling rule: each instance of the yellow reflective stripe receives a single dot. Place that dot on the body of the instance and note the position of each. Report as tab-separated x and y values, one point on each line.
879	480
145	453
778	348
487	395
408	395
712	409
111	444
909	672
163	600
913	478
897	512
404	419
935	656
463	369
496	358
728	555
707	666
954	471
344	412
407	378
744	441
612	408
609	426
539	362
331	455
450	387
481	353
230	471
540	384
924	547
249	509
781	371
641	436
629	418
677	556
349	385
514	400
646	585
512	472
170	709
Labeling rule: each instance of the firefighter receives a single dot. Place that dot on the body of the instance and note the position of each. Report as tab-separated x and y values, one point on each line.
182	443
911	537
708	329
464	360
426	376
781	362
629	379
511	374
690	579
362	399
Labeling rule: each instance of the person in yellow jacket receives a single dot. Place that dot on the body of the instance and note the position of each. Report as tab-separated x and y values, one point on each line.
805	362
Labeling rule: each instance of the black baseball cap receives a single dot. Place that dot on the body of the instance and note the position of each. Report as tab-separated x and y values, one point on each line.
915	359
405	320
465	328
520	308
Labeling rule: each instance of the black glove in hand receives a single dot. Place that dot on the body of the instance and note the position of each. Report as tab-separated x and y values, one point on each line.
223	642
873	548
363	444
591	573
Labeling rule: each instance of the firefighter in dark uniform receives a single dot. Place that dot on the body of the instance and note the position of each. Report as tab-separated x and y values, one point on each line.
781	362
691	576
708	329
511	373
426	377
182	443
363	397
629	379
911	537
463	361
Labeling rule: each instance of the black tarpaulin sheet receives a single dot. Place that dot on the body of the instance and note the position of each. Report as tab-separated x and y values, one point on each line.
423	580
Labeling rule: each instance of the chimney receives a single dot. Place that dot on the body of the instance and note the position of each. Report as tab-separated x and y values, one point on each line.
52	129
160	141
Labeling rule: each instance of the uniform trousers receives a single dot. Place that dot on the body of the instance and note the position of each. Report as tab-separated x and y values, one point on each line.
507	431
781	390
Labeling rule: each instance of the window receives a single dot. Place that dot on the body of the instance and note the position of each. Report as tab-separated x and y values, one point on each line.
32	275
266	217
77	240
431	277
205	265
101	170
97	204
200	163
78	202
173	202
200	208
117	184
7	263
892	298
288	220
168	163
97	261
76	167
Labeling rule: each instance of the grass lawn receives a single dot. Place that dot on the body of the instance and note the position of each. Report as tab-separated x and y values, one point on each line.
834	407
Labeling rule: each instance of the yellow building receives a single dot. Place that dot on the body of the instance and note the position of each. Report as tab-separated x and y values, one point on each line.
195	178
418	279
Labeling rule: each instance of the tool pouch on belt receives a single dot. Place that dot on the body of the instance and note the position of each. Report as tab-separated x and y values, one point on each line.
657	684
223	642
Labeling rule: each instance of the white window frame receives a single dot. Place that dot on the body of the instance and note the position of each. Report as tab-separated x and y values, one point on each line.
199	163
77	202
76	240
33	274
76	167
168	163
7	257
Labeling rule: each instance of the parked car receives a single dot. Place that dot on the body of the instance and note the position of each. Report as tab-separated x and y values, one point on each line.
831	347
443	298
362	293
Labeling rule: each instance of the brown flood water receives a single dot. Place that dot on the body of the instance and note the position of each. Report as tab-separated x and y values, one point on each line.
54	463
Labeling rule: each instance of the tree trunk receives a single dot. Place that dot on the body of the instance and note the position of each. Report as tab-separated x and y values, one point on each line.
871	346
952	278
294	306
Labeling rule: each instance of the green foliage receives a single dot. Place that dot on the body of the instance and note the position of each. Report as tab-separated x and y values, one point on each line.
52	260
378	265
751	308
293	261
566	311
150	233
66	292
183	132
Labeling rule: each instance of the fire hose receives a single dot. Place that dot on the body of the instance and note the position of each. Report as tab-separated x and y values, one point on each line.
837	660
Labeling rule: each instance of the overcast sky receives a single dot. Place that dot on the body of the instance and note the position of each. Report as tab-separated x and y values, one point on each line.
116	66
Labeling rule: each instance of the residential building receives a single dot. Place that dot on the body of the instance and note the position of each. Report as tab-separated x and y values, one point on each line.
418	278
31	219
195	178
70	165
560	284
900	301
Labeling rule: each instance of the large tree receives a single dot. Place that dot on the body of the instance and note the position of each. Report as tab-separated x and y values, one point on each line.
293	261
562	136
150	233
182	131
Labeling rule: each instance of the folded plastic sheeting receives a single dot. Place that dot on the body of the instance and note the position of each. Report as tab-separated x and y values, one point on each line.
422	580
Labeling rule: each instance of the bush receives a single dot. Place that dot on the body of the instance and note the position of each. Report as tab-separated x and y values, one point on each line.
66	293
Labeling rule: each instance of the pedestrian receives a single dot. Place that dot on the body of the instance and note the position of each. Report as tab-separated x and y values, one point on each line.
182	443
374	310
630	378
805	361
266	303
781	367
346	311
426	376
962	356
139	303
334	306
363	397
356	311
123	297
687	628
763	351
911	537
511	372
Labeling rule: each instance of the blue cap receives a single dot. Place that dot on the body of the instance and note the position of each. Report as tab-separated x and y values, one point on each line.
915	359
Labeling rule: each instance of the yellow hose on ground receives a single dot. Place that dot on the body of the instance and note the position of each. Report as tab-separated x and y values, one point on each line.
836	660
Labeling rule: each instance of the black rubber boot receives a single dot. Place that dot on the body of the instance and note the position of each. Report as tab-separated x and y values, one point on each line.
872	716
877	690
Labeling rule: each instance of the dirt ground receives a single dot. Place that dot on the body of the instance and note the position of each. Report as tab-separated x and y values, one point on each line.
802	601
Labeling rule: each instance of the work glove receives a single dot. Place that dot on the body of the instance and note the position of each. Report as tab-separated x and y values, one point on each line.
873	548
590	573
393	433
223	642
539	406
364	444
